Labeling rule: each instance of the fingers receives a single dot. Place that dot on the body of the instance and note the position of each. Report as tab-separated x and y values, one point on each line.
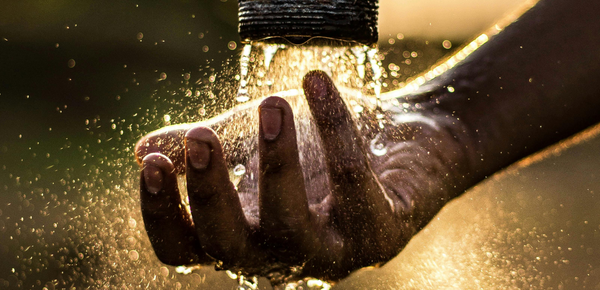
167	222
357	193
167	141
285	219
220	222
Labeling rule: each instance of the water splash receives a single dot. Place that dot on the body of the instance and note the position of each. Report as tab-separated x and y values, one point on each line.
304	284
243	95
269	51
376	70
361	56
351	66
357	72
239	170
88	224
186	270
378	146
244	283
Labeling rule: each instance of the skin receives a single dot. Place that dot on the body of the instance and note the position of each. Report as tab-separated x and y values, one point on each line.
528	87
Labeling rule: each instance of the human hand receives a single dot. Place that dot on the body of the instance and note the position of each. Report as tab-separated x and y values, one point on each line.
372	207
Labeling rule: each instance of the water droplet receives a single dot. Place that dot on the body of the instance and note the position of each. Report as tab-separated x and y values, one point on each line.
231	275
185	270
132	223
242	97
377	146
451	89
131	240
232	45
269	52
315	283
140	36
164	271
133	255
202	112
244	283
447	44
71	63
239	169
163	76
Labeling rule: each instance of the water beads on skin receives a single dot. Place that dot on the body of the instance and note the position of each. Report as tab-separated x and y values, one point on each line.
355	69
378	146
244	283
239	170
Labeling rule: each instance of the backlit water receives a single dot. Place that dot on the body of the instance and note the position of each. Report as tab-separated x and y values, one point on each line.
69	207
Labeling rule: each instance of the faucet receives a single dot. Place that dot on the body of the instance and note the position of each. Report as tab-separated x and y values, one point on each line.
297	21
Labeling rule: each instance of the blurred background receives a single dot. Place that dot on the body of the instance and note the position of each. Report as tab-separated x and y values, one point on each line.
81	81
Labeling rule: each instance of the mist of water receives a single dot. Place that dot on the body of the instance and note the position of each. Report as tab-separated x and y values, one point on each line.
75	221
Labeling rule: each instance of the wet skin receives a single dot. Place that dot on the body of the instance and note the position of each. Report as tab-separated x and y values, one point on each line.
373	206
512	97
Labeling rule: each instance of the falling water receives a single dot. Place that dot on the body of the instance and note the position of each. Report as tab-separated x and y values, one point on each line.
277	69
80	224
378	146
243	95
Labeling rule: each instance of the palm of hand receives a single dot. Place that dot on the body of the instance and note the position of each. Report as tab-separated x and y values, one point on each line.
373	205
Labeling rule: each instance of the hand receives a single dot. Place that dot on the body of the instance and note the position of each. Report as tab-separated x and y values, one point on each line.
372	207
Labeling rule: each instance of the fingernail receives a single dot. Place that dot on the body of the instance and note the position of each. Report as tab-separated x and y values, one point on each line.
198	153
153	178
270	119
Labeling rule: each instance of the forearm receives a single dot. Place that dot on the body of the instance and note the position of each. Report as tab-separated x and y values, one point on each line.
532	85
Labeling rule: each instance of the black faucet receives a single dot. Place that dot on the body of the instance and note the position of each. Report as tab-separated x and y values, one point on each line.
300	20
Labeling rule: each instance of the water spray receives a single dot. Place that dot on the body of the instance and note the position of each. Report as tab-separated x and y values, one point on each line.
286	39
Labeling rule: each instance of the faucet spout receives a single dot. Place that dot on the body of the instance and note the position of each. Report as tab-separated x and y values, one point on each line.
300	20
